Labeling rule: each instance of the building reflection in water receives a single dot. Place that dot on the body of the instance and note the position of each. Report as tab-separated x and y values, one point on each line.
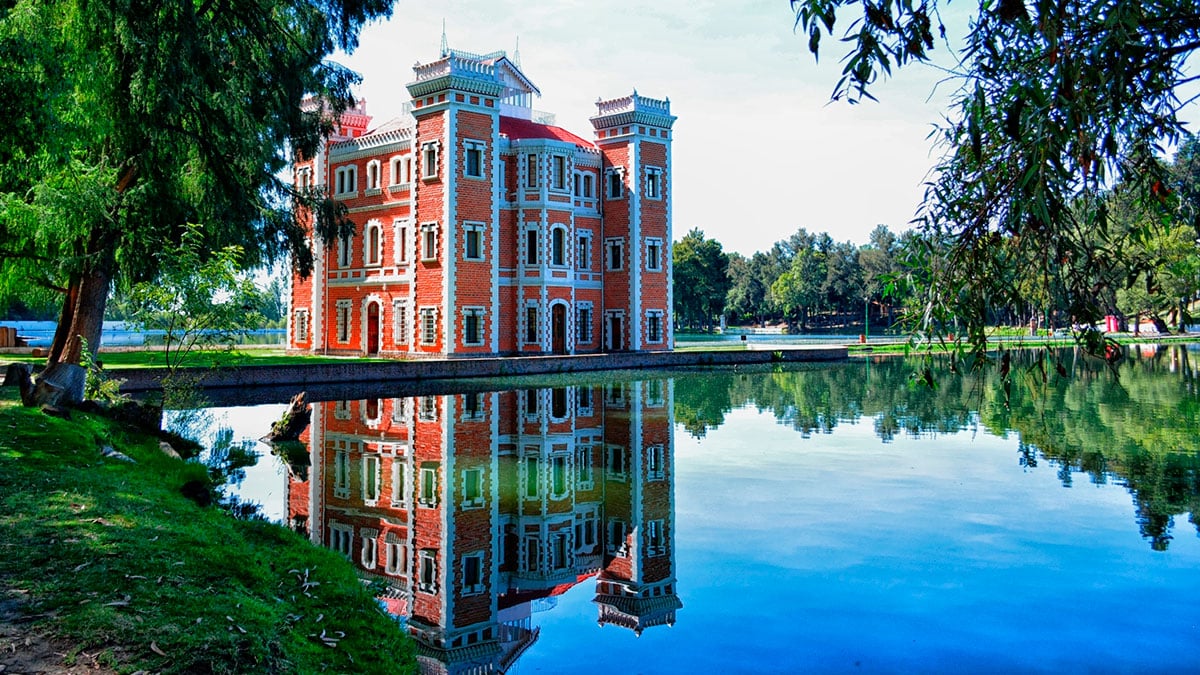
477	510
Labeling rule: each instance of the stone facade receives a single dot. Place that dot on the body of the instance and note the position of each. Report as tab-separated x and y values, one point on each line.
483	229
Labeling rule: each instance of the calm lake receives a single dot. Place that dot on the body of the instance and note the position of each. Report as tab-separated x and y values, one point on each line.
824	519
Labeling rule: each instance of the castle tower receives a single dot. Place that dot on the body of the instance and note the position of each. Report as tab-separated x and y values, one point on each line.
634	137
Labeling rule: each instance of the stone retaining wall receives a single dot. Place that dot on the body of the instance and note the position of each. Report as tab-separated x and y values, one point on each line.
147	379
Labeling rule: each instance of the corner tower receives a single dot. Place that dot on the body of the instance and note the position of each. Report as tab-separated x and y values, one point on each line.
633	134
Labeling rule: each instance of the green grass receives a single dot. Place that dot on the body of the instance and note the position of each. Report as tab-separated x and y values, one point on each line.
115	560
199	359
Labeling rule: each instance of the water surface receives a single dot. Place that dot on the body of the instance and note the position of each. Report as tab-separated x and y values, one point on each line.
819	519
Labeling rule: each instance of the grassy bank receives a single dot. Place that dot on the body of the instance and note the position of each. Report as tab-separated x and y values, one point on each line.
106	562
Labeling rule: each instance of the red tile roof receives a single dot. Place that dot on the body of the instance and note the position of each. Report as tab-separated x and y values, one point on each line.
516	128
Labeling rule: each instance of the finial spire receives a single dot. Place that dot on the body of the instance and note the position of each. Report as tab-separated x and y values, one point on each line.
445	44
517	53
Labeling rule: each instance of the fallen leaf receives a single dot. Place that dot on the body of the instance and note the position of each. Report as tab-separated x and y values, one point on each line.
154	648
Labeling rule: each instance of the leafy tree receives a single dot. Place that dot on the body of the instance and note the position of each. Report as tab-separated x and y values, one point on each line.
700	279
196	303
1057	100
137	118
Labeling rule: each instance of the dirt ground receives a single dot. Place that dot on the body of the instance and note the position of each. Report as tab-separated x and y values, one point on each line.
24	650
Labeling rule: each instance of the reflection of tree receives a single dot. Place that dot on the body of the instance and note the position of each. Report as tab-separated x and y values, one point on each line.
1135	425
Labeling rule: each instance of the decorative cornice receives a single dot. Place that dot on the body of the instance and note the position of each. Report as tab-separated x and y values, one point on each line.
633	109
455	72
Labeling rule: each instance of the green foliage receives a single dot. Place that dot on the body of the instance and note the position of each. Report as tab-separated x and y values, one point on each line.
197	303
700	279
1056	102
114	558
98	386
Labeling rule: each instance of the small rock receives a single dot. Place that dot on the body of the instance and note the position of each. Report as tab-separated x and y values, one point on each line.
168	450
110	452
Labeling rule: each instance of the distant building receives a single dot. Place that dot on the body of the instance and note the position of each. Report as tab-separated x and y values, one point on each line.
484	229
475	511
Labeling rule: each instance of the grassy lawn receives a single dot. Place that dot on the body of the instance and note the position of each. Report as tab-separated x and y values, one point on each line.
109	561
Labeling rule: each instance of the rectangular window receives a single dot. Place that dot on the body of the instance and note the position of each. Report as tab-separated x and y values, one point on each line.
429	160
429	332
473	326
429	486
472	407
583	401
473	573
558	246
341	474
371	480
399	483
300	325
396	562
427	581
531	246
400	322
345	311
370	551
583	467
583	325
654	393
653	183
616	462
531	171
655	457
401	229
614	179
531	324
654	321
558	551
473	159
558	477
427	409
429	241
617	532
654	537
531	477
345	251
341	539
473	241
616	254
472	488
587	186
558	176
578	185
654	249
583	254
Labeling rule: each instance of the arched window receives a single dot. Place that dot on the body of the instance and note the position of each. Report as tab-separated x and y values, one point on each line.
558	246
373	175
374	244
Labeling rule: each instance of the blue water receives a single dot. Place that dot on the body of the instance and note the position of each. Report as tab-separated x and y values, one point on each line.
805	539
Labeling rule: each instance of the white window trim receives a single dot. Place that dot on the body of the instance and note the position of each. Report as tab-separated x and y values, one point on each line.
403	245
654	263
435	148
301	325
346	180
590	323
425	339
481	313
557	161
429	253
583	262
375	178
399	166
619	171
478	501
378	487
344	318
474	588
608	259
654	182
369	548
566	246
373	258
662	331
481	228
401	322
471	144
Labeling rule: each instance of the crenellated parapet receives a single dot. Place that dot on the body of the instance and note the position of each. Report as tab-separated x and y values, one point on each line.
633	109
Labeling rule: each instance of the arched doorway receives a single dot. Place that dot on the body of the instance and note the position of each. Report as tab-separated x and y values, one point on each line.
372	328
558	329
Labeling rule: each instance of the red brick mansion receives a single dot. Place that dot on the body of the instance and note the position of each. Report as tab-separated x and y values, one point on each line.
483	229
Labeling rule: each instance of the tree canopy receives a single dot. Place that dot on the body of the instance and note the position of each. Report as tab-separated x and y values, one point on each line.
126	120
1057	102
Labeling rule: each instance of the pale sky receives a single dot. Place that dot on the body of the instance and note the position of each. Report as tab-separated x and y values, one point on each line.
758	149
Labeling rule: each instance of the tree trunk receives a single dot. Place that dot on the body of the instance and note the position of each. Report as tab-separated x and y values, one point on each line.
82	318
